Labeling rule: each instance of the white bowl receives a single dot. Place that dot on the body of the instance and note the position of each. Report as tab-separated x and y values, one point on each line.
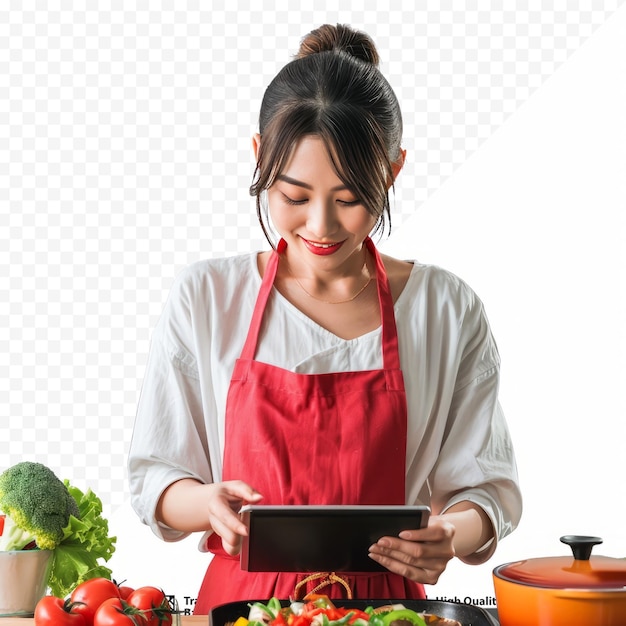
23	580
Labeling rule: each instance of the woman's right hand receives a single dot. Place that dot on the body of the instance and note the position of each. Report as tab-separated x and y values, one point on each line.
224	501
191	506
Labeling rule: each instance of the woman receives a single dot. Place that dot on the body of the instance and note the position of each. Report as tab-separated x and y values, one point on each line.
321	372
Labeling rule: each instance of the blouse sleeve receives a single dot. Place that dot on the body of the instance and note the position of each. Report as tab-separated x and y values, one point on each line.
476	461
169	440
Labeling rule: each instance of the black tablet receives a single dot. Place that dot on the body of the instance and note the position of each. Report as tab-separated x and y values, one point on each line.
321	538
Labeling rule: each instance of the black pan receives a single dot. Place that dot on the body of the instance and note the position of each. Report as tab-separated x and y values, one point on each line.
467	614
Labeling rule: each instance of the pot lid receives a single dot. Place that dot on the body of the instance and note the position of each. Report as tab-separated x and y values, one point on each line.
580	571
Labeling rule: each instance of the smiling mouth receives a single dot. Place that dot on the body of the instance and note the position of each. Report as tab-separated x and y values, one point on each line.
322	245
322	248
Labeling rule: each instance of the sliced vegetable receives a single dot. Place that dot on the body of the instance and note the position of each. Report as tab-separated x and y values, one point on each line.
320	611
263	613
402	617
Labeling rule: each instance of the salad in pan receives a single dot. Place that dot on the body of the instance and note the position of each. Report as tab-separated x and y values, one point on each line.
319	610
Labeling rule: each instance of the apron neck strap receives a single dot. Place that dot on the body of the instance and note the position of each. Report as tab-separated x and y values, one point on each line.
391	353
391	357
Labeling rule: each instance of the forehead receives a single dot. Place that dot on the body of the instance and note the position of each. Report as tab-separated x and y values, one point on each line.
310	160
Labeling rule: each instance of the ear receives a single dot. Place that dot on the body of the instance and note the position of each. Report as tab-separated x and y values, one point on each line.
397	165
256	143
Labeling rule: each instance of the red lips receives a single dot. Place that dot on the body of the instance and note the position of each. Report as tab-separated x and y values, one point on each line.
322	249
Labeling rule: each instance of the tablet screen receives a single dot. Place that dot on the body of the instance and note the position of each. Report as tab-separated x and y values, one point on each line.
321	538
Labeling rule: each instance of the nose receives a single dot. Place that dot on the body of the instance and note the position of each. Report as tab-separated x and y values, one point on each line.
322	218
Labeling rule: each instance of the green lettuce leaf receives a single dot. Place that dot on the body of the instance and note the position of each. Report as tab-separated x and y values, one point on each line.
85	541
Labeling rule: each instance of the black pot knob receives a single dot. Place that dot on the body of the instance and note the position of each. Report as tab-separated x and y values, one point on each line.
581	545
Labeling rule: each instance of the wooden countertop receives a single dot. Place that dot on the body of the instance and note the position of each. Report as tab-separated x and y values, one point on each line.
29	621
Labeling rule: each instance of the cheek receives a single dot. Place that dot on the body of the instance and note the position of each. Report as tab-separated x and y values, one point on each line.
360	221
283	218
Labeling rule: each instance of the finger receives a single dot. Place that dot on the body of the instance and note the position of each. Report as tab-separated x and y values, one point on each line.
404	564
416	573
428	556
240	489
232	523
439	531
232	548
434	548
227	498
224	518
230	535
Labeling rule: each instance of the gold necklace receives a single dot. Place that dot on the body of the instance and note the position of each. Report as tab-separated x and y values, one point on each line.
356	295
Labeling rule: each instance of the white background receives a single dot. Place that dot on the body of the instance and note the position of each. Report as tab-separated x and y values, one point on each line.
125	155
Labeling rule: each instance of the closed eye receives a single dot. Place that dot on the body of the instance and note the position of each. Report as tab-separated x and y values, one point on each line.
289	200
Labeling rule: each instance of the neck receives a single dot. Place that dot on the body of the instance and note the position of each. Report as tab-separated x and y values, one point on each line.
336	290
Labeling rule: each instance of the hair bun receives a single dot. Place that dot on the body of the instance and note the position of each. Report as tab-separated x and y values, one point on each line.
339	37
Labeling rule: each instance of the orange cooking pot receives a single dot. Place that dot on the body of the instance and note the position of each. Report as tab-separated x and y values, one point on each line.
563	591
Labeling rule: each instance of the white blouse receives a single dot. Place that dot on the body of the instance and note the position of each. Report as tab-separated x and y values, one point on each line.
458	442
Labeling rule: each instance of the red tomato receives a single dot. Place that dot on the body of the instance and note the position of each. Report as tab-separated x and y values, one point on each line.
53	611
125	591
91	594
153	602
112	613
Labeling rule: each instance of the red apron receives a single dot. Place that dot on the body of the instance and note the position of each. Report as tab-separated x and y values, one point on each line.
333	438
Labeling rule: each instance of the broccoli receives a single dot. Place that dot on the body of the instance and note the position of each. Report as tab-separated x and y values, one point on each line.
37	502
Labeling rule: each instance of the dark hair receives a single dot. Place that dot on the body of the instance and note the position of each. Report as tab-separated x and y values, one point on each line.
333	89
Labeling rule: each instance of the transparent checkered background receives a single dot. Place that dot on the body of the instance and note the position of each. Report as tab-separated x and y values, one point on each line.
125	155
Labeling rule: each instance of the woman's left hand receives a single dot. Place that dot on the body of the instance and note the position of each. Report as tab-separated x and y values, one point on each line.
419	555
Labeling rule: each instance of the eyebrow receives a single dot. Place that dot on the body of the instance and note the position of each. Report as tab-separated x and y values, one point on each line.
299	183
